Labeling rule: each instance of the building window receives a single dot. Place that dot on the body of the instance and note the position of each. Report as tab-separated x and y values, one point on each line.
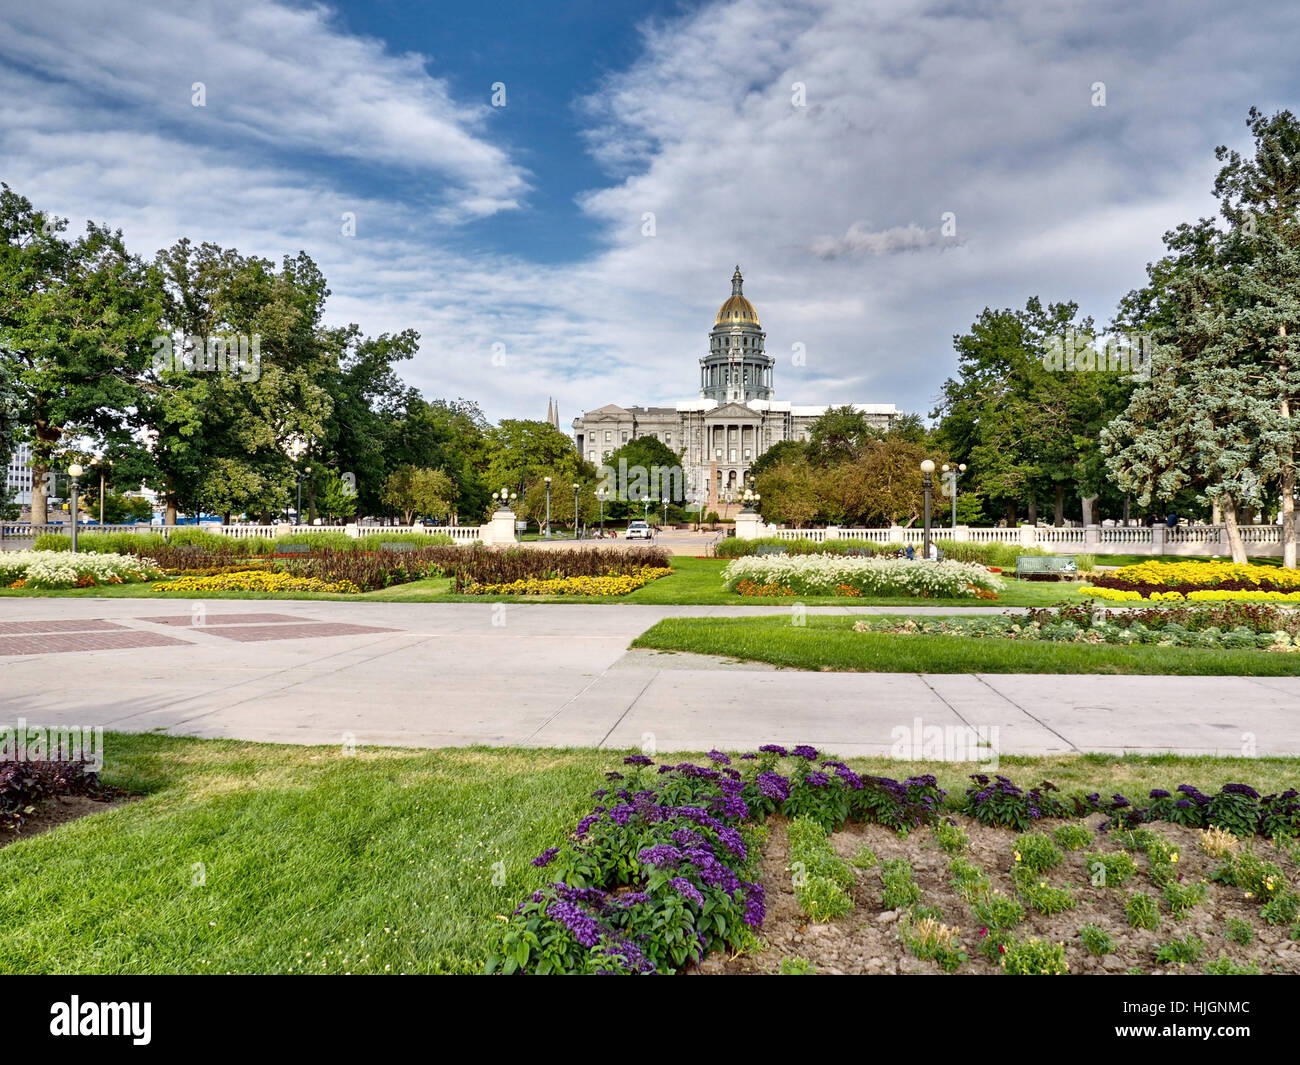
624	436
747	454
608	436
607	453
717	452
591	456
668	438
731	454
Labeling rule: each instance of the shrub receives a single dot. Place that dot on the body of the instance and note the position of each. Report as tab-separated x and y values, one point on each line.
996	910
1142	911
1096	940
968	879
1072	837
812	853
23	784
864	858
1036	852
796	967
1035	957
1000	802
56	569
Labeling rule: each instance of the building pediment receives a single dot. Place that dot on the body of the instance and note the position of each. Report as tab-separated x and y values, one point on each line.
731	411
609	410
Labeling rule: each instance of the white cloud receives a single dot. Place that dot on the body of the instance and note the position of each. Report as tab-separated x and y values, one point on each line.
912	110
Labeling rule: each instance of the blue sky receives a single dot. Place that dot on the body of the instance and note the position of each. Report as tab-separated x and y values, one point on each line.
521	228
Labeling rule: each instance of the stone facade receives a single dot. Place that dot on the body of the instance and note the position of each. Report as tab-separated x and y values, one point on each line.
734	419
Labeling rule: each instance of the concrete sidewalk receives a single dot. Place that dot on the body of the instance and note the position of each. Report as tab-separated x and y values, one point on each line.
423	674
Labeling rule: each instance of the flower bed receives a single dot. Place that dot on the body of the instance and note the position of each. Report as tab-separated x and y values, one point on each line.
832	574
667	868
1239	626
58	569
257	581
471	567
606	584
1197	581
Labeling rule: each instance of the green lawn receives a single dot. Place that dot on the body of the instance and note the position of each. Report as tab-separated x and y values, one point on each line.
381	862
829	643
694	581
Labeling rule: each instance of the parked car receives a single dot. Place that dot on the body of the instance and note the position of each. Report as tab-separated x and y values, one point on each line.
639	530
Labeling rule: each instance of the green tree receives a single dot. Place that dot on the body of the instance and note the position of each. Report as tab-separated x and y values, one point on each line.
76	318
415	491
520	453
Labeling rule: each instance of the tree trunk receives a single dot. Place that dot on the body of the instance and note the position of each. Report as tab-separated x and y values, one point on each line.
1058	510
1011	515
1229	507
169	511
1089	504
1033	511
1288	496
40	492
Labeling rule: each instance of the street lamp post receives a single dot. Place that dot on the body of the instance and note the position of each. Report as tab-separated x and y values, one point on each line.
74	471
927	469
950	476
101	462
601	496
575	511
298	516
547	533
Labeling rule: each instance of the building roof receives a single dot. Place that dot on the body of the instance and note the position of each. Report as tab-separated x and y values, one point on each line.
737	310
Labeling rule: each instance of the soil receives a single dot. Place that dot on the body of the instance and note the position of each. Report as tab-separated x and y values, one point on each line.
866	941
52	812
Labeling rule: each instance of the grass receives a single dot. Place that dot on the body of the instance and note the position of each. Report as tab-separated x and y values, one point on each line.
381	862
829	643
694	582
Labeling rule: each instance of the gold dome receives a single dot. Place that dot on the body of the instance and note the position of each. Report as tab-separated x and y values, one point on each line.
737	310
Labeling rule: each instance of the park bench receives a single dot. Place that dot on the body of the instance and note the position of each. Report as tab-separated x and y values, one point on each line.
1046	567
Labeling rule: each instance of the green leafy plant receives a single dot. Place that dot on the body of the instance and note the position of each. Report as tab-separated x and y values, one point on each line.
1097	940
1239	931
900	890
1142	911
930	939
822	899
1035	957
950	836
1182	897
1185	951
1036	852
1039	895
796	967
1225	966
864	858
1109	870
968	879
1072	837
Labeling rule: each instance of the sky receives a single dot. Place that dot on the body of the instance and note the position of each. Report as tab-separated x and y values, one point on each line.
555	194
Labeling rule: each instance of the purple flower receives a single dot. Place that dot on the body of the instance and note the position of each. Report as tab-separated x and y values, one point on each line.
755	910
637	759
660	854
546	857
817	780
773	786
718	758
687	890
1158	793
581	925
804	751
748	755
773	748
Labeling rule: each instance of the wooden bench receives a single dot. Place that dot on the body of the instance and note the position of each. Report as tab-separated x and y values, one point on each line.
1046	567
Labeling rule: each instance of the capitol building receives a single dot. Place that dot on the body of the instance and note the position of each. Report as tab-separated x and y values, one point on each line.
734	419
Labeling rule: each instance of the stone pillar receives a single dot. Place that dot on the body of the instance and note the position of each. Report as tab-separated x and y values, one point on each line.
1028	536
352	529
500	528
832	532
960	533
749	525
1158	531
1092	539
